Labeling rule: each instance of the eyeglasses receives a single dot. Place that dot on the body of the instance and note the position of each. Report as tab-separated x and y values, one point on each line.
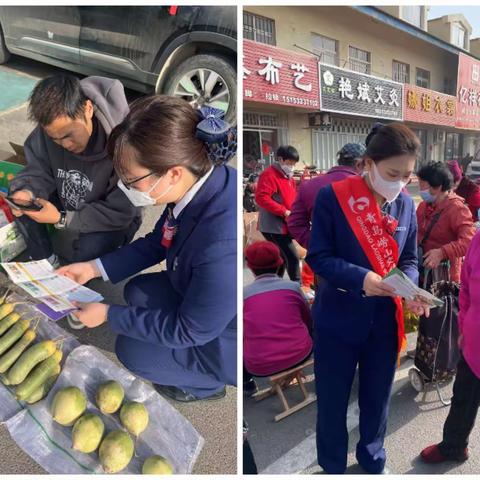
131	182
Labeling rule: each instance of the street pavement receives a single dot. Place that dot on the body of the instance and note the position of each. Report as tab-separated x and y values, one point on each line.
415	421
216	421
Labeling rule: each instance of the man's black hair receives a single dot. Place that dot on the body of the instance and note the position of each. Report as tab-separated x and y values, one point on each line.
287	152
56	96
436	174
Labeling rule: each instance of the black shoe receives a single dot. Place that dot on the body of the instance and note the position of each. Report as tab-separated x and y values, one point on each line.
250	388
180	395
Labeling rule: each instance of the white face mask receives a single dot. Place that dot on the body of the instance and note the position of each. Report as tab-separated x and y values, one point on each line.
142	199
286	169
387	189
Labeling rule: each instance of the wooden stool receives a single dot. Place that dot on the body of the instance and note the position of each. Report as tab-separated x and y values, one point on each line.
282	381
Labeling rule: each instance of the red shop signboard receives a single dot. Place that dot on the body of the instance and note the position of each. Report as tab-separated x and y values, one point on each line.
468	93
427	106
279	77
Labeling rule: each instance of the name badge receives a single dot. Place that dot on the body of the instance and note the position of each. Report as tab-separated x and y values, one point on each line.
401	229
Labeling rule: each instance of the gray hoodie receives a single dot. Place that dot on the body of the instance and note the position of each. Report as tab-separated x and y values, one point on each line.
86	184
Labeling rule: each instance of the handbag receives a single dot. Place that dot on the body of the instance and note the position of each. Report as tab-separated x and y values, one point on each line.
437	352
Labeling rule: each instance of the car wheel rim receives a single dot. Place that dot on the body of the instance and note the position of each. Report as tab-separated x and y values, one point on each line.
202	87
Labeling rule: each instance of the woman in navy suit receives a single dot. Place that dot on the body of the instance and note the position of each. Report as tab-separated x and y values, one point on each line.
362	228
178	329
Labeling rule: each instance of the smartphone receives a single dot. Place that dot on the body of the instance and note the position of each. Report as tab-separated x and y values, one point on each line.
25	205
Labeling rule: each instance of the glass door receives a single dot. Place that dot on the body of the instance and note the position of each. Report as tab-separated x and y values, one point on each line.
259	146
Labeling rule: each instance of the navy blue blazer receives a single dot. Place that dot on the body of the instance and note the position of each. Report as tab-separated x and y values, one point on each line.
202	270
335	255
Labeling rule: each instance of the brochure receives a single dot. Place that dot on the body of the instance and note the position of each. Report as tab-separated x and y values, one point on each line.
405	288
39	280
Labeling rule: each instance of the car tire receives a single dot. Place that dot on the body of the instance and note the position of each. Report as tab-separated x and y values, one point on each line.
227	79
4	53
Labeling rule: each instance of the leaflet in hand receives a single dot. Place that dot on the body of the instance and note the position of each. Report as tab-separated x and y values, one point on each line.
405	288
39	279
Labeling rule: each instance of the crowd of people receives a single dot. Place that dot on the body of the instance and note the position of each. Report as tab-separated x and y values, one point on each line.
357	222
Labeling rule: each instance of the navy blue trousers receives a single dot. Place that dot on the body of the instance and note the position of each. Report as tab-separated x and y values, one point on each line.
335	366
161	365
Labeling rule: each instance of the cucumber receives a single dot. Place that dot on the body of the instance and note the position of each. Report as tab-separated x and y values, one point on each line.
39	375
29	359
13	335
42	390
8	321
6	309
4	379
9	358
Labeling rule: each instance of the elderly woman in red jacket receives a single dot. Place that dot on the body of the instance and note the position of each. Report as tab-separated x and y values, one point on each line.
274	195
445	224
465	188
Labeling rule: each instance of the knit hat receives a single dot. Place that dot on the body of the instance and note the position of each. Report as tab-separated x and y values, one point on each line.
263	256
352	150
455	170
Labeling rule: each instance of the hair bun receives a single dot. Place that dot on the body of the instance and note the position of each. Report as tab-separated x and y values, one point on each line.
377	126
211	127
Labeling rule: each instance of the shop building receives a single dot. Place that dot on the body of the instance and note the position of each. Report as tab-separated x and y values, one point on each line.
319	77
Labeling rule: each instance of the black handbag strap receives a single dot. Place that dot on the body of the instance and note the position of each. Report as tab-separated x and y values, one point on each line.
430	227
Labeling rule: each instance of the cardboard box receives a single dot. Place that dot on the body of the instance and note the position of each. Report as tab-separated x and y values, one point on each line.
11	162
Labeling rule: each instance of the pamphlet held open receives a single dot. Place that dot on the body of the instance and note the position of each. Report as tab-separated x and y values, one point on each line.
405	288
39	279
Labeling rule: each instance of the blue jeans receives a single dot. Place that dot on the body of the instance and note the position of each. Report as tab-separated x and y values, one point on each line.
86	247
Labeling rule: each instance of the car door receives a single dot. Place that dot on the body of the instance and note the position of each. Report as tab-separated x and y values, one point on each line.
42	30
125	40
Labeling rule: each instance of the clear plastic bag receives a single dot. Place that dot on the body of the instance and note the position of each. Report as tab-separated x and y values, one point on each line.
168	434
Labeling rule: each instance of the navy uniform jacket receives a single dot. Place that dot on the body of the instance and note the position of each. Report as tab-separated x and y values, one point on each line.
335	255
202	270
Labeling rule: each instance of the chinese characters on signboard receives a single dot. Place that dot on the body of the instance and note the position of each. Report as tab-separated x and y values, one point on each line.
274	75
353	93
426	106
468	93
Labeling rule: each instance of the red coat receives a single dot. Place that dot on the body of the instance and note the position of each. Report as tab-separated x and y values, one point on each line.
453	232
470	191
274	195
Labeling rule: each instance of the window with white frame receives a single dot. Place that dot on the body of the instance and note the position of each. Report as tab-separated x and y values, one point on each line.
412	14
423	78
401	72
359	60
458	35
259	29
326	49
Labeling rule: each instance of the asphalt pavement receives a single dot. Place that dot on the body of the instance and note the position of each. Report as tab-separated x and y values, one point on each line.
216	421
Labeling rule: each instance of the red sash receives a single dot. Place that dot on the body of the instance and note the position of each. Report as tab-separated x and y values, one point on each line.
374	233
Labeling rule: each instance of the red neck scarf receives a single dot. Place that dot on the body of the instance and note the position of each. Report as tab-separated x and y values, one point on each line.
373	231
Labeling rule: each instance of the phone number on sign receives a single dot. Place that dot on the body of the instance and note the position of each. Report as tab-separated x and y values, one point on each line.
292	100
300	101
